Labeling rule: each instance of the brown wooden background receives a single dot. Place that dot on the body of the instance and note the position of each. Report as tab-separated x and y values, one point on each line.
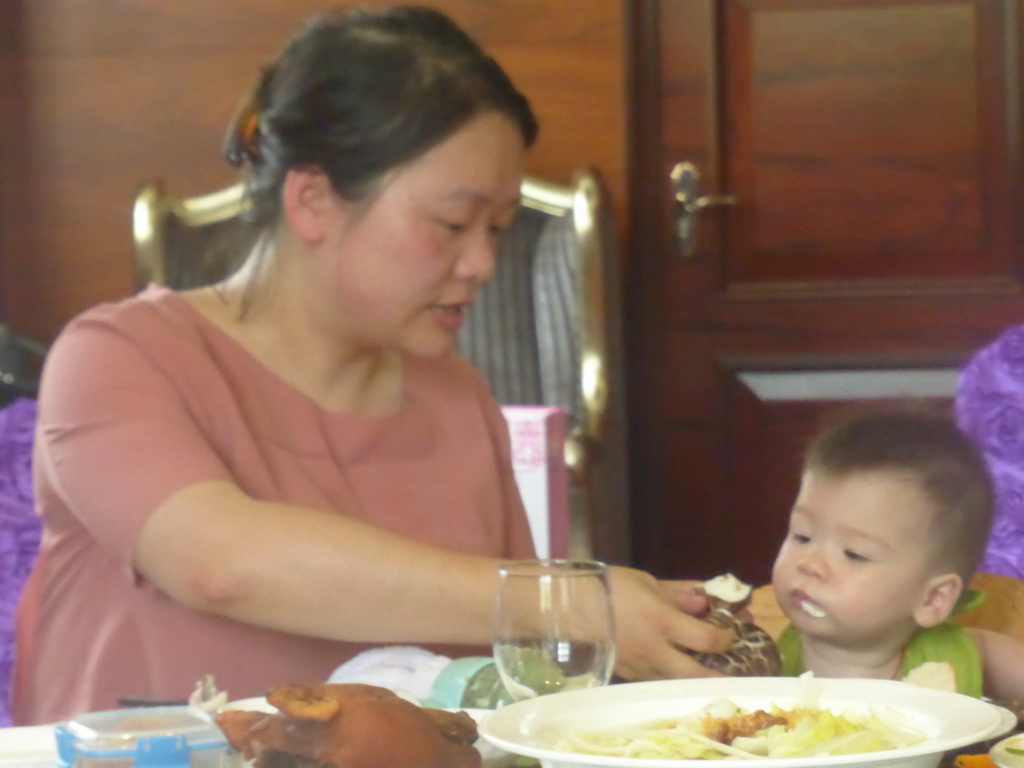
98	95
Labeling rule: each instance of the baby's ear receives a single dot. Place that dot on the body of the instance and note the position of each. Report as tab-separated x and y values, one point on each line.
939	599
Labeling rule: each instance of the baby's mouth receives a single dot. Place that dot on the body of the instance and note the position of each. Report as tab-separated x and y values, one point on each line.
811	608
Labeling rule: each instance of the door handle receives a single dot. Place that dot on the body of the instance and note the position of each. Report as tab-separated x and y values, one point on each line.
689	202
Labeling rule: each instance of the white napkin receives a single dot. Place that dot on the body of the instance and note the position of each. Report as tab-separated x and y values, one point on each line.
408	671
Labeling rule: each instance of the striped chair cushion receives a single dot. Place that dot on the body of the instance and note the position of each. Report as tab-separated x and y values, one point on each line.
523	331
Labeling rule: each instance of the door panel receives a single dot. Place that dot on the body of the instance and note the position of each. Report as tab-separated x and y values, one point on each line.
873	149
863	158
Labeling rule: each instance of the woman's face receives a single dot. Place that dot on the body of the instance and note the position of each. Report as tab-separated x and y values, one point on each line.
857	558
403	267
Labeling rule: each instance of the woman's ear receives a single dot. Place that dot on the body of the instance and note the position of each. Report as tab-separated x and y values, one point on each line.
940	596
309	203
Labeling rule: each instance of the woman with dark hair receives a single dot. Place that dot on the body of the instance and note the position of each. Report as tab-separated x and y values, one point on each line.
261	478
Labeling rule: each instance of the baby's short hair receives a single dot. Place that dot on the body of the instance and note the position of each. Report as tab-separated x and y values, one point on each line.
929	446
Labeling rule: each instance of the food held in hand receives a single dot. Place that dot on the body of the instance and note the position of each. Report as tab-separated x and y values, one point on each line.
350	725
754	653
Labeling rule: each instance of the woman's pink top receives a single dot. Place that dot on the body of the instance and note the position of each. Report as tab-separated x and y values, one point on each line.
145	397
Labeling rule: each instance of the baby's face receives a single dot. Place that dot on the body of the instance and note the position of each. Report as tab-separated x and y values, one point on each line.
857	556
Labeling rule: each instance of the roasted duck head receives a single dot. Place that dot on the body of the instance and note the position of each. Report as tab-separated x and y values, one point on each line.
350	726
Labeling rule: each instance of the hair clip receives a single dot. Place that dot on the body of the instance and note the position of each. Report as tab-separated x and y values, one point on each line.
241	144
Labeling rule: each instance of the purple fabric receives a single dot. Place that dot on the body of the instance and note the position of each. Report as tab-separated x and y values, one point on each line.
990	409
19	528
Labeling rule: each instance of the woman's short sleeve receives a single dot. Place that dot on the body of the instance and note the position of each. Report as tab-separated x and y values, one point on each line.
117	434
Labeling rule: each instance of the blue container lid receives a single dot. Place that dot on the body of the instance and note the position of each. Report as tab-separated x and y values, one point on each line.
153	737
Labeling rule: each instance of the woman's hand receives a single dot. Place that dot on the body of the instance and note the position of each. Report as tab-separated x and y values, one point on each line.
656	624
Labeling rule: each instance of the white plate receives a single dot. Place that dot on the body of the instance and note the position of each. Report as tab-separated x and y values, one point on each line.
493	757
32	745
535	726
1002	756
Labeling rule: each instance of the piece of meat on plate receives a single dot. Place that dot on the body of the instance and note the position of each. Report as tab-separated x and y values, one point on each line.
351	726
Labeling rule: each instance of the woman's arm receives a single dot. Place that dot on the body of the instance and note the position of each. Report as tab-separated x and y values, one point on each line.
300	570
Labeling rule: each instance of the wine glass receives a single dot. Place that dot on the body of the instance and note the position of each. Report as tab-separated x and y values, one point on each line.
554	628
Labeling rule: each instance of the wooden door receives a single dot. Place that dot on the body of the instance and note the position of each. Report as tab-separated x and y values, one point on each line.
873	148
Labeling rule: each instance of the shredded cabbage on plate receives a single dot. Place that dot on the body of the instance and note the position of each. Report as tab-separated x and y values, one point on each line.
724	730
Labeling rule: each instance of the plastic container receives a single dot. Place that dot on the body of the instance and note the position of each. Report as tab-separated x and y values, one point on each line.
469	683
143	737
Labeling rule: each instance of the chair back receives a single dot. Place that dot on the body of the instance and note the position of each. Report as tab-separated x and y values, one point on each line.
186	242
21	361
21	532
543	331
989	407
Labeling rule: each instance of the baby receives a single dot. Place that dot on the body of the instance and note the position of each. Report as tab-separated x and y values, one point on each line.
891	520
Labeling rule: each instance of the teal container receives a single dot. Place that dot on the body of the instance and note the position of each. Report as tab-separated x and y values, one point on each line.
472	682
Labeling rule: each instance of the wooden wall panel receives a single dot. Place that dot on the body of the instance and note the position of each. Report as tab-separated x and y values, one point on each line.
97	95
12	166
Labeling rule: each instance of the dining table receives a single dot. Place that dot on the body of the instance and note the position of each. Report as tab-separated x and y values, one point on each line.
36	746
